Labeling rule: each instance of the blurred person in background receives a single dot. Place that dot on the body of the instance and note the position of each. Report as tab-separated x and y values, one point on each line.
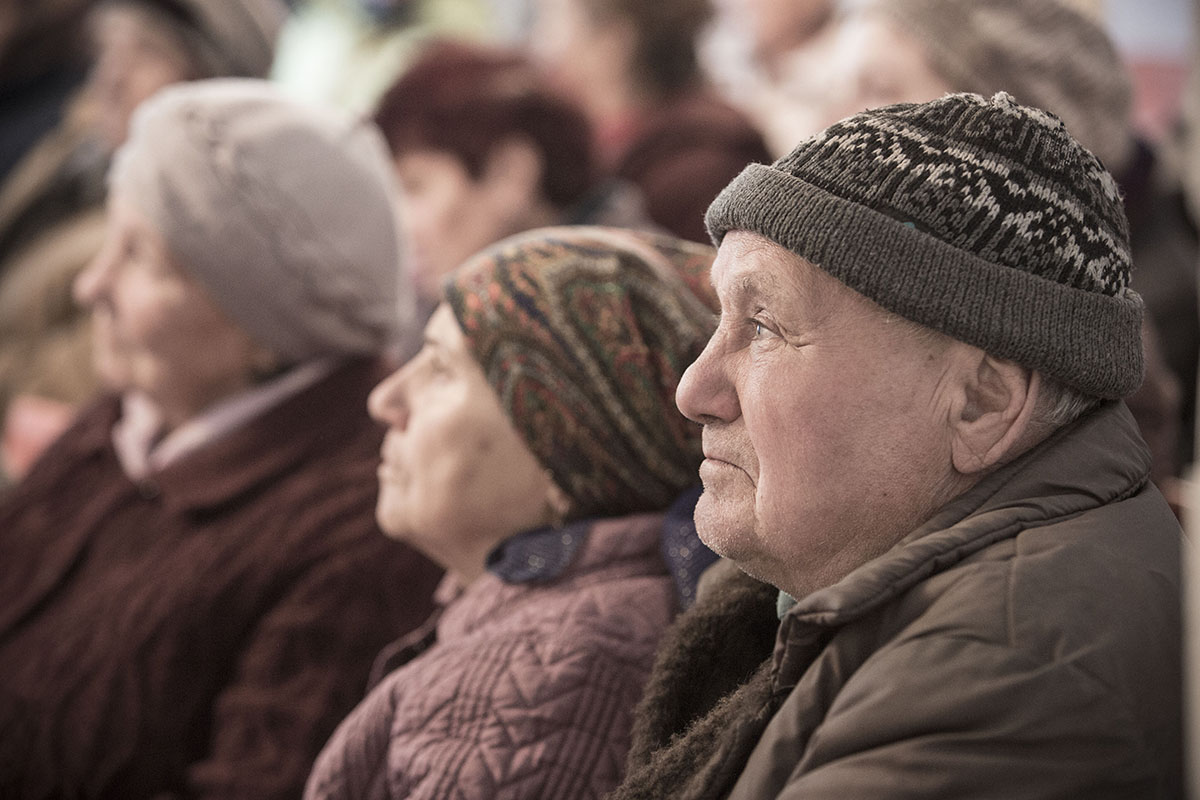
1187	134
533	447
632	67
746	43
346	53
43	61
773	28
1053	54
194	585
483	148
52	202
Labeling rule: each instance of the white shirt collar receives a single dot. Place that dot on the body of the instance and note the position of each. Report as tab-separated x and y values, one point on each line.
142	451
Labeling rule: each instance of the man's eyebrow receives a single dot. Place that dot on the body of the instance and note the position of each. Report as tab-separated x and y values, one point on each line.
756	285
752	282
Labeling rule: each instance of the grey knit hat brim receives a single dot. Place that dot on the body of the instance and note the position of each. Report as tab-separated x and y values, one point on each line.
1061	331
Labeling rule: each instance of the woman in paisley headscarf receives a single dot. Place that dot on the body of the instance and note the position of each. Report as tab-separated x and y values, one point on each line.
533	448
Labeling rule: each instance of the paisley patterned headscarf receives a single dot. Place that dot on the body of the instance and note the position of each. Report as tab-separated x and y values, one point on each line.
584	334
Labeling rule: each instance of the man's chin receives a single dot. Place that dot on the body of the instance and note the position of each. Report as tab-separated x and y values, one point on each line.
725	529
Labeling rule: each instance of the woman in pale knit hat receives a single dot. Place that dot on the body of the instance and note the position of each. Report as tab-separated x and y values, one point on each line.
193	583
52	203
533	446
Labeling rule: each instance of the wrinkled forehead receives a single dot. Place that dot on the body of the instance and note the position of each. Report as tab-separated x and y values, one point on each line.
753	272
751	267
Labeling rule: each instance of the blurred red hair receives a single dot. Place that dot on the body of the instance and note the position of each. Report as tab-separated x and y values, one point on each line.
465	99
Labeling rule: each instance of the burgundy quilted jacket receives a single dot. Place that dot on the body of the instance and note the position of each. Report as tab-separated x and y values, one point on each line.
528	691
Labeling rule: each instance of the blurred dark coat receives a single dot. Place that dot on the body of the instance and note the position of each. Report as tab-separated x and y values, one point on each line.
199	634
1165	248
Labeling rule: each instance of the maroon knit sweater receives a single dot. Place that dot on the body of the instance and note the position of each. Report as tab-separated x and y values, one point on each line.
200	634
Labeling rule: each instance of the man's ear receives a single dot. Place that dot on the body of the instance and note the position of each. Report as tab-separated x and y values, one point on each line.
993	418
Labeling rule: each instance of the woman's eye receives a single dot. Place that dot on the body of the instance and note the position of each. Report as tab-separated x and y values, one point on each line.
133	251
437	363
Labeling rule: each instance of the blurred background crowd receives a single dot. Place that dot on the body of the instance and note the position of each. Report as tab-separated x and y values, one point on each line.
497	117
505	115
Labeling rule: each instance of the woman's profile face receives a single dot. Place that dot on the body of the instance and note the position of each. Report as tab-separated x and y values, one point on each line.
456	478
155	328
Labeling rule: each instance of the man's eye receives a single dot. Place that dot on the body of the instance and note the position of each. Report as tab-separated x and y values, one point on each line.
760	329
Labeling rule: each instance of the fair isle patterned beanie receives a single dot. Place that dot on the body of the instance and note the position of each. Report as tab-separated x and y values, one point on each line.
584	334
982	219
1045	53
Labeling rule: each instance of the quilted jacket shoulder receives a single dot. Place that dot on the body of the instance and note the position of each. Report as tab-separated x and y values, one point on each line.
528	692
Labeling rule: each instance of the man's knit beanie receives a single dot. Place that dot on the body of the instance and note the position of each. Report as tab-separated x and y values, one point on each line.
1045	53
285	212
584	333
982	219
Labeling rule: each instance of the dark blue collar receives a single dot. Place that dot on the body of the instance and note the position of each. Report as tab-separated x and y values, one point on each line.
685	555
539	555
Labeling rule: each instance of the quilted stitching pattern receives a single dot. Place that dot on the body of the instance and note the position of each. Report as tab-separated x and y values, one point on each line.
530	694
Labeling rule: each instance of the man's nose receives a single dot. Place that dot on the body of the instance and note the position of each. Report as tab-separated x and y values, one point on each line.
706	392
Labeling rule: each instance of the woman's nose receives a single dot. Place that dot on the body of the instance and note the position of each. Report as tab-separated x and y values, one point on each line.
386	403
92	283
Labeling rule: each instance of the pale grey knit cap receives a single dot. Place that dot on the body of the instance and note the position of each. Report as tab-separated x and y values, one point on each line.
284	211
1045	53
982	219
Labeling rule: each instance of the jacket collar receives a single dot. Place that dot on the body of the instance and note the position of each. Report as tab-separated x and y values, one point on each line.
543	554
1092	462
143	448
539	555
318	417
616	545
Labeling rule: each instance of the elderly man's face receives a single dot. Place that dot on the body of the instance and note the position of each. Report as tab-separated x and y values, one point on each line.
825	421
